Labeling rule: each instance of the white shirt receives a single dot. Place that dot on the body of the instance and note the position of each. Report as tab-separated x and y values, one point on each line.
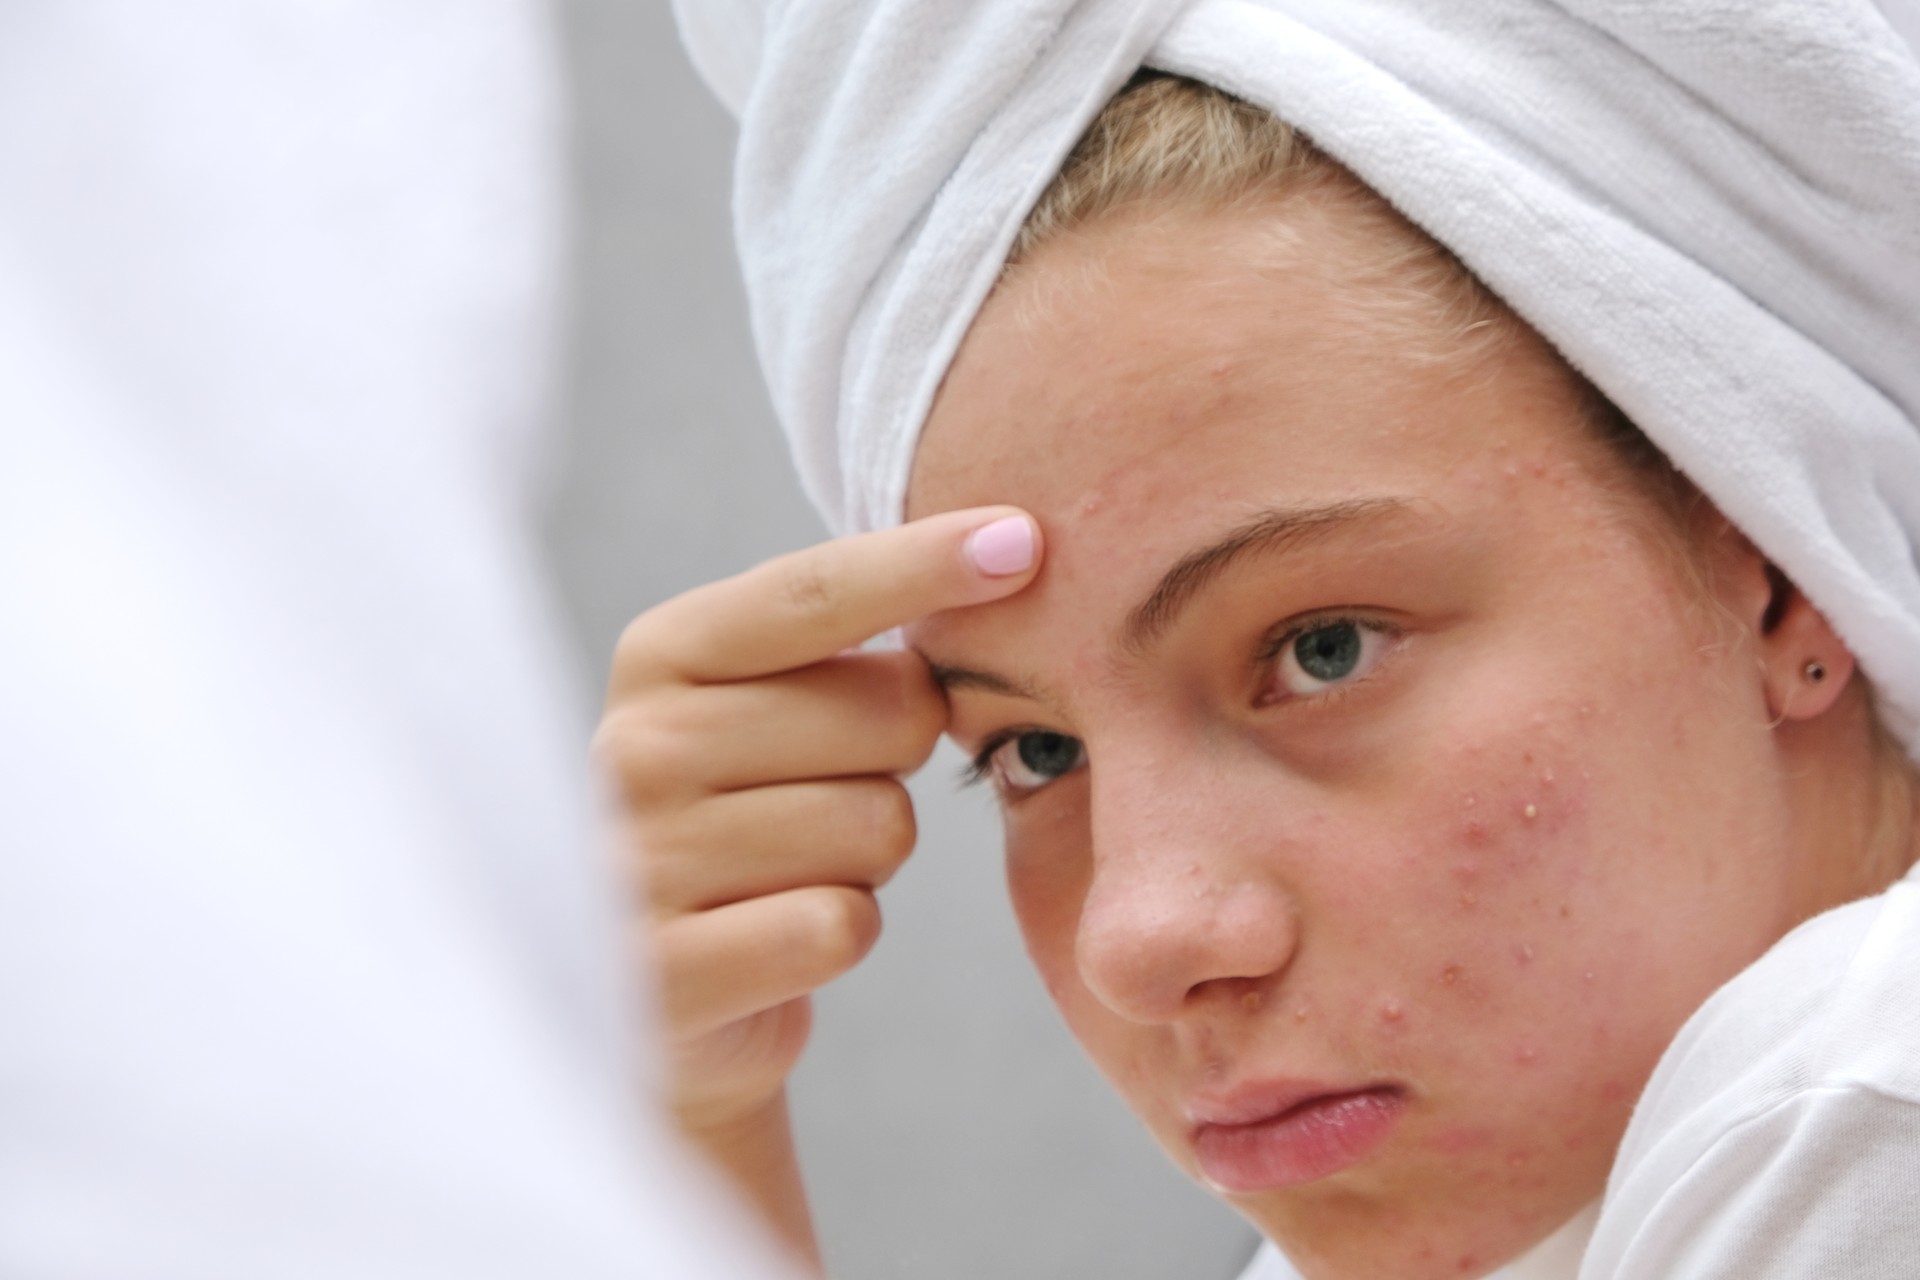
310	964
1779	1137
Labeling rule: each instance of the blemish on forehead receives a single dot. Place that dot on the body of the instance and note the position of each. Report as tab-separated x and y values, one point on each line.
1523	954
1469	899
1450	974
1392	1011
1531	812
1525	1055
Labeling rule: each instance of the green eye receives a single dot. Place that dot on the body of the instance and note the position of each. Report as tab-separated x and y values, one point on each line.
1339	651
1329	653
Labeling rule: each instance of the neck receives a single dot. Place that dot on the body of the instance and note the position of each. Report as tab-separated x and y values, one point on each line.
1859	805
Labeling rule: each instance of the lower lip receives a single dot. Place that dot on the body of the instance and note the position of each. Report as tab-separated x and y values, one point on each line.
1318	1138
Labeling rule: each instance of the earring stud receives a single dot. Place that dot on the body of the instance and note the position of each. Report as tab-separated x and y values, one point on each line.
1816	672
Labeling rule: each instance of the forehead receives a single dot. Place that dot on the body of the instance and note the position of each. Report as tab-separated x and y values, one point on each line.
1175	361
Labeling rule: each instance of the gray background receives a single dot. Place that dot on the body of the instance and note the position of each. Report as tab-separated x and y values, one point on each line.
949	1125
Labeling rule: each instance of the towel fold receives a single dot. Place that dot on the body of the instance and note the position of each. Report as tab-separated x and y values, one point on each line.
1711	207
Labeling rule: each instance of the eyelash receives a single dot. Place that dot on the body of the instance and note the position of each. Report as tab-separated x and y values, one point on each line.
981	767
1272	651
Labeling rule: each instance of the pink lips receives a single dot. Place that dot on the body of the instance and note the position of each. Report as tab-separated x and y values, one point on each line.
1282	1135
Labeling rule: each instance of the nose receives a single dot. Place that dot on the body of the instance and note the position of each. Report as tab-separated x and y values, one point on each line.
1187	899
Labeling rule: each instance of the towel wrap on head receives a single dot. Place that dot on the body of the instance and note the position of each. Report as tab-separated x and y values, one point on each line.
1711	207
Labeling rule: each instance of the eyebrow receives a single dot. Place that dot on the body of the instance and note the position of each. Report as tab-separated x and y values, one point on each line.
1269	531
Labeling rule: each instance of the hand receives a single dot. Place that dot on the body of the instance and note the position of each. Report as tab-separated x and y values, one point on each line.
759	760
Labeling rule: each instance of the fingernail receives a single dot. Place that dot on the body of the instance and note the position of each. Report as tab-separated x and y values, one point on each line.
1003	547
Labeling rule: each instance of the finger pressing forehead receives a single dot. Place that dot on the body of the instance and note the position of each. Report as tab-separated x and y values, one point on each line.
807	606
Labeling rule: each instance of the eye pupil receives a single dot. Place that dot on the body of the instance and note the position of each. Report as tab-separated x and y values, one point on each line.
1048	754
1329	653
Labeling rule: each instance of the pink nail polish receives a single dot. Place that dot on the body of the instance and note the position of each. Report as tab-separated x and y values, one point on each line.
1002	548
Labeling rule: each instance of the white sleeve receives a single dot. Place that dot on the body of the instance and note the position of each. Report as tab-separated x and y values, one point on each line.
1821	1184
309	960
1269	1264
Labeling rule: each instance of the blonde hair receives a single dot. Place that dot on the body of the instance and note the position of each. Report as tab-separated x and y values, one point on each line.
1168	142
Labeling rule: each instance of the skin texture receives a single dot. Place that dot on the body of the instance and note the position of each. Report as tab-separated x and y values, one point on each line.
1579	783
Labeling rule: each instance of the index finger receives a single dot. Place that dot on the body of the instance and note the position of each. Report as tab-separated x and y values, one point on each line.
800	608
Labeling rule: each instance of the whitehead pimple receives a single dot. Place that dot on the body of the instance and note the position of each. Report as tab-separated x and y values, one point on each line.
1523	954
1451	975
1300	1012
1392	1011
1531	812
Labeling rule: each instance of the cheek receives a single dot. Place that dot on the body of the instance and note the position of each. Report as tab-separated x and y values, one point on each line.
1048	865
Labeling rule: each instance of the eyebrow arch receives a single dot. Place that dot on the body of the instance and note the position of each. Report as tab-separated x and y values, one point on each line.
1269	531
950	678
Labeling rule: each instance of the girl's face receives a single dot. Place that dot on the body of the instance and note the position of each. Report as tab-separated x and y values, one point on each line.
1381	793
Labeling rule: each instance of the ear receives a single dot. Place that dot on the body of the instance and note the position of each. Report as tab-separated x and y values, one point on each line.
1803	663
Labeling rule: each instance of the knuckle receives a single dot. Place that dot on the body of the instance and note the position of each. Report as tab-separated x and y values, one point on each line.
889	825
908	703
646	758
841	926
923	705
636	653
810	587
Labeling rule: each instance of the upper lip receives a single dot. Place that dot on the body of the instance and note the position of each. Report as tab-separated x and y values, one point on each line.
1260	1100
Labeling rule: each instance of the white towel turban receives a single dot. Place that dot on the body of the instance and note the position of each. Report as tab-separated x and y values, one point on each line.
1712	207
